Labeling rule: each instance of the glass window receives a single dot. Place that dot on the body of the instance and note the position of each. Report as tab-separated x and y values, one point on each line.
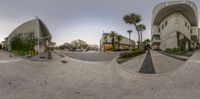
163	26
191	31
185	24
159	30
165	23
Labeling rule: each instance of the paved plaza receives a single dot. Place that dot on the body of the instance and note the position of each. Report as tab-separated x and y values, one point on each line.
25	79
160	64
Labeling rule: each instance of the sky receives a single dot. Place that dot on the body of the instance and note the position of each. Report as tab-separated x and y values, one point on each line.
68	20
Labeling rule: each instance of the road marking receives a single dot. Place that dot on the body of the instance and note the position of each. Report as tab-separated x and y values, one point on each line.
8	61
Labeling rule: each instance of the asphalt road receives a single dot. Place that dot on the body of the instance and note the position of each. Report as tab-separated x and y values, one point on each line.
91	56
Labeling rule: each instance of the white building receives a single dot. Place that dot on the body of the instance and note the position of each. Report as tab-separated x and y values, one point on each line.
34	28
175	25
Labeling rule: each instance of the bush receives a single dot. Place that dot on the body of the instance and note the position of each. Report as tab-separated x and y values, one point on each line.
175	51
130	54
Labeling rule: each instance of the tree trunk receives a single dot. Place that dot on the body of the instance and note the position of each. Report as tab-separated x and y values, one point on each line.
113	44
129	38
141	36
138	36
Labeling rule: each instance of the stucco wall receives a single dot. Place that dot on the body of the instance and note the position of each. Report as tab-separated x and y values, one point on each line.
169	27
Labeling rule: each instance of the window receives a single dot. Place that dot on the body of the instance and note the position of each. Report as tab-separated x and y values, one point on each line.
165	23
185	24
159	30
163	26
191	31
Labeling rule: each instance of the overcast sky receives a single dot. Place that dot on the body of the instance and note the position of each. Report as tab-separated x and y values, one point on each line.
77	19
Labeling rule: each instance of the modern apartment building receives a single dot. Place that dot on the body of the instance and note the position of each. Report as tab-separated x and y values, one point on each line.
106	43
175	25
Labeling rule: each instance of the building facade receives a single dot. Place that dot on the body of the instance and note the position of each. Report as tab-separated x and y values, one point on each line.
106	43
35	29
175	25
79	44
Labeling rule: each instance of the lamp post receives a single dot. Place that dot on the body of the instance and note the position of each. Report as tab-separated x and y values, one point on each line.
48	51
129	32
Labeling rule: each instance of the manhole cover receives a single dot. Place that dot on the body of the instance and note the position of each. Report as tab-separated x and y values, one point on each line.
64	61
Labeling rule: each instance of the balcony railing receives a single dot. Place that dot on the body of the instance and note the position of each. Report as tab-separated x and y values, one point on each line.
156	33
156	40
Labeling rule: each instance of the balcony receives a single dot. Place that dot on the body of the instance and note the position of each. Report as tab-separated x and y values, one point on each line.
155	34
154	40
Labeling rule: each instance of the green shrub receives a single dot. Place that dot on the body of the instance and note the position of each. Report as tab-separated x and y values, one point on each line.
130	54
174	51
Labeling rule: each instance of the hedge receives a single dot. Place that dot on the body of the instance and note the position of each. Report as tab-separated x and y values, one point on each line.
131	54
175	51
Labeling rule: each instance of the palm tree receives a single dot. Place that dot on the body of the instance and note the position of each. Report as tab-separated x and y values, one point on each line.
113	34
141	28
133	19
129	32
147	41
119	39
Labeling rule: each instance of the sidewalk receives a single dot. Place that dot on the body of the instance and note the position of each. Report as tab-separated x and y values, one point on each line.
163	63
4	55
160	63
133	65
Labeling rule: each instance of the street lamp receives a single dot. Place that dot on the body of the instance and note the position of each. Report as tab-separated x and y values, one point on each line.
48	51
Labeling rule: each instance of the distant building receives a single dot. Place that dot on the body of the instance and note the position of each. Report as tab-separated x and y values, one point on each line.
93	47
3	45
106	43
65	46
34	28
79	44
175	25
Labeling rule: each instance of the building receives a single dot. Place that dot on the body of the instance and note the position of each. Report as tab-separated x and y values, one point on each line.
79	44
35	29
93	47
106	43
65	46
3	44
175	25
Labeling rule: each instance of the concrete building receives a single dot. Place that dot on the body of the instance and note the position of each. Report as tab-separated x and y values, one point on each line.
106	43
93	47
175	25
80	44
34	28
3	44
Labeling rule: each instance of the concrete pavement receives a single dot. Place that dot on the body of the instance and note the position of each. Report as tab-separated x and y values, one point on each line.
101	80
